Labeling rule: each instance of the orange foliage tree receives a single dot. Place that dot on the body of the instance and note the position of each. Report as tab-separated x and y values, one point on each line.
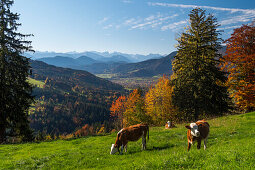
239	61
84	131
158	102
117	110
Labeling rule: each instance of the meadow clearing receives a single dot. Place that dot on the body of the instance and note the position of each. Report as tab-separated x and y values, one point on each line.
230	146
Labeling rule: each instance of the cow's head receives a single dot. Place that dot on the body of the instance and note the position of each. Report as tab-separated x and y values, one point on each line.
114	149
193	129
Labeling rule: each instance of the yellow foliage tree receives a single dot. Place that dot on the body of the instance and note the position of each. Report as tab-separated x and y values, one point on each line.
158	102
135	109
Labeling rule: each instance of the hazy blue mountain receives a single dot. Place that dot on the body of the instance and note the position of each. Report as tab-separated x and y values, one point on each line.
116	58
84	60
117	64
100	56
94	55
60	61
148	68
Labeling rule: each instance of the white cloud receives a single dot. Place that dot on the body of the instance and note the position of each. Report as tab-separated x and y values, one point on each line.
103	20
232	10
150	22
237	19
108	26
131	21
230	27
174	26
127	1
238	15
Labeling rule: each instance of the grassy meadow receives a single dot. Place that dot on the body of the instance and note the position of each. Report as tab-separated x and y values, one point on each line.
231	145
36	83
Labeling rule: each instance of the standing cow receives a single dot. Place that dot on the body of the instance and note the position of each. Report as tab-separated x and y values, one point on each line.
132	133
196	132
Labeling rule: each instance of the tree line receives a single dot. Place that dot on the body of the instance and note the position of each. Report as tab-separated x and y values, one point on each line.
204	82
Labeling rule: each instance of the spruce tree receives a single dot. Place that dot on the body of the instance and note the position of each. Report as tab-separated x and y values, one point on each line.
15	91
198	82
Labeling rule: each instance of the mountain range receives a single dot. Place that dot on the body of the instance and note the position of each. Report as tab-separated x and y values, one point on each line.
99	56
118	65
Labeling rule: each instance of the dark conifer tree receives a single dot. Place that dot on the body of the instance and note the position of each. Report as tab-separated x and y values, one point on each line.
15	91
199	83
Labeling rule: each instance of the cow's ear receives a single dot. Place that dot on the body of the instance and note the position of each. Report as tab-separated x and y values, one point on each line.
188	127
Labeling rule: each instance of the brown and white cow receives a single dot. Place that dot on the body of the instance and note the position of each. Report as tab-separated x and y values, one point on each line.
131	133
196	132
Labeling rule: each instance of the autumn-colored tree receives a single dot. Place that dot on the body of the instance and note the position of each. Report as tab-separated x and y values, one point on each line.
135	109
239	61
84	131
158	101
117	110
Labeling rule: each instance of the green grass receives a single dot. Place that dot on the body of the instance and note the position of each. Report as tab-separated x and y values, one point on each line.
36	83
230	146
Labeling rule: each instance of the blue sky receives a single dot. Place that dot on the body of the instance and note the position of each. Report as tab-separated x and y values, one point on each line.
129	26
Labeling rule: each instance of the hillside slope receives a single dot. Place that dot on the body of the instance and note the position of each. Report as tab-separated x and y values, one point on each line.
148	68
68	99
71	77
230	146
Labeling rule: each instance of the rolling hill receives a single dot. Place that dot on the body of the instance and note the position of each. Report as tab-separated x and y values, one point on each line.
148	68
67	99
230	146
71	77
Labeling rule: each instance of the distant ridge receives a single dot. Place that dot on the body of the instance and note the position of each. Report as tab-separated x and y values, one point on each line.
117	64
99	56
148	68
70	78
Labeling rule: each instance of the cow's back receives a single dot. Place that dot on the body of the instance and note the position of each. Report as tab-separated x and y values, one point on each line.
134	133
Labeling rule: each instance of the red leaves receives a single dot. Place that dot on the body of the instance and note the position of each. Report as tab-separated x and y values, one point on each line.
239	61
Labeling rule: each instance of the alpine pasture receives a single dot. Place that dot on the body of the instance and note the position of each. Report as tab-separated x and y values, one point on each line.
230	145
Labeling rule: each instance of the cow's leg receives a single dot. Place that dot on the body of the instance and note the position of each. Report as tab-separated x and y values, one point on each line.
144	142
205	142
189	145
125	147
121	150
198	143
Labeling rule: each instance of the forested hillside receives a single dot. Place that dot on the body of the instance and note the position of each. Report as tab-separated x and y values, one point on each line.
69	99
148	68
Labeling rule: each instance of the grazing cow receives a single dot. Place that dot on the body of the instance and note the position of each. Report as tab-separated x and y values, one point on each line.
169	125
132	133
196	132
